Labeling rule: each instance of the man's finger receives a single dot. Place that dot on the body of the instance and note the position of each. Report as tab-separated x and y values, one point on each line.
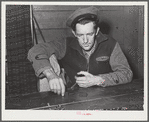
51	85
58	88
82	85
84	73
80	81
62	87
55	88
80	78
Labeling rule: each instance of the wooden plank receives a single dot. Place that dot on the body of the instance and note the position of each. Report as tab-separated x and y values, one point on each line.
72	7
58	19
55	7
56	34
51	20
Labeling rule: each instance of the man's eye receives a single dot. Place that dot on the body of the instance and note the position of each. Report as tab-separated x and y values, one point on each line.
79	35
90	34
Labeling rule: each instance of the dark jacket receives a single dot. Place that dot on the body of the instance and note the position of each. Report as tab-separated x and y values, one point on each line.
107	61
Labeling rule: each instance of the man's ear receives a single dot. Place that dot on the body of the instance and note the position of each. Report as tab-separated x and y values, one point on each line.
73	33
97	30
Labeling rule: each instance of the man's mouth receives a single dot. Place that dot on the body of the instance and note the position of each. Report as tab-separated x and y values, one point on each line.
86	45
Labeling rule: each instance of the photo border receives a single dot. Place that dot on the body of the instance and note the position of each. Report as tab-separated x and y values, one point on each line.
72	115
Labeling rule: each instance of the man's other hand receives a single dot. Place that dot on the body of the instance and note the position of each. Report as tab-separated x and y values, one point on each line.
88	79
56	84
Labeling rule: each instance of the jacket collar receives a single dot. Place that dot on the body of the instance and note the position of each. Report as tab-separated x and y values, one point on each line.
75	44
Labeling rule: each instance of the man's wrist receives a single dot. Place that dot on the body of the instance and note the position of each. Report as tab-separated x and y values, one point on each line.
99	81
50	74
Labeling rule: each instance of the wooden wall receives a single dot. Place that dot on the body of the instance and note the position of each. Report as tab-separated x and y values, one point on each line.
124	23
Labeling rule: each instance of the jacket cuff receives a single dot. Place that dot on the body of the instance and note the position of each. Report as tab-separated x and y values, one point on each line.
104	83
108	80
39	73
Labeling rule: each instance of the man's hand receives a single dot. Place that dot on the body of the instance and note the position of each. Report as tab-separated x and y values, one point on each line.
56	84
88	79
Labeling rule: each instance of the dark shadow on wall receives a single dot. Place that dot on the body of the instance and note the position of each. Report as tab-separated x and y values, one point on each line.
104	27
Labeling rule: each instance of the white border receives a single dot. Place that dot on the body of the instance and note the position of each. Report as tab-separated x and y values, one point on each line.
77	3
72	115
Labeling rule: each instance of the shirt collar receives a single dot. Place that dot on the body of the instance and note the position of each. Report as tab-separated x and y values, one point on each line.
87	54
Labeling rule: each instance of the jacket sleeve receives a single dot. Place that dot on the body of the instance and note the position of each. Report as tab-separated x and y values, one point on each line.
121	70
39	55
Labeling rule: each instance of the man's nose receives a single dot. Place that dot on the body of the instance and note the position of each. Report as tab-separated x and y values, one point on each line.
85	39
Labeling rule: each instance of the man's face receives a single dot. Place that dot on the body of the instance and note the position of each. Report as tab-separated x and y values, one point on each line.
86	35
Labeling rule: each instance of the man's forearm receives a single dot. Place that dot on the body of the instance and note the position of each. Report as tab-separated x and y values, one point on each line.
50	74
98	80
116	78
121	70
39	55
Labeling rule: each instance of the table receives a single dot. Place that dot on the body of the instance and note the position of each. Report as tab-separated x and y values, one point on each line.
121	97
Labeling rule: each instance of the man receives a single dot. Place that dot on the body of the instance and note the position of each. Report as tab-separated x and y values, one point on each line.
92	54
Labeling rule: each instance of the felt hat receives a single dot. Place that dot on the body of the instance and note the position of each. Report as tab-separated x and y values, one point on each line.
90	13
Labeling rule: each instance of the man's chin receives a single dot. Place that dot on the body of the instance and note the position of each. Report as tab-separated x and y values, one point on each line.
87	49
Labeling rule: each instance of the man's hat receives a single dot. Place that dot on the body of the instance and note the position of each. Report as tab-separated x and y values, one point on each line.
90	13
